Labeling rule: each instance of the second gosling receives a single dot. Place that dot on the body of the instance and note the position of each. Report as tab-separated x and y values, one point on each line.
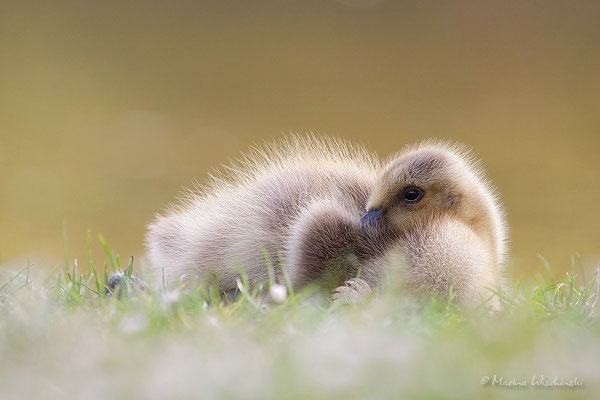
450	228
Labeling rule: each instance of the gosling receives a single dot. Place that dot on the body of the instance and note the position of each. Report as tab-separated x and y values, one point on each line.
448	228
298	204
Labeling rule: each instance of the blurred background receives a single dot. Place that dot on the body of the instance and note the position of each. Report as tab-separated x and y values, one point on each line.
108	109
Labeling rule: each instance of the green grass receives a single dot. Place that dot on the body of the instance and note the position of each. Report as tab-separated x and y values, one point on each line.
61	337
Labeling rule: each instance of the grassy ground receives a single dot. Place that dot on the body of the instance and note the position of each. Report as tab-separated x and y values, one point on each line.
60	337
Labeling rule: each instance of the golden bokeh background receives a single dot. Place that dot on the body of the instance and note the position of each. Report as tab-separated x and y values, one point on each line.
107	109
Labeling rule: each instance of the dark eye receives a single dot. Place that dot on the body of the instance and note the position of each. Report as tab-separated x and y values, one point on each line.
412	195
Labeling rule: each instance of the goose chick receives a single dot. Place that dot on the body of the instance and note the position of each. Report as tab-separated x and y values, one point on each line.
449	227
298	204
295	203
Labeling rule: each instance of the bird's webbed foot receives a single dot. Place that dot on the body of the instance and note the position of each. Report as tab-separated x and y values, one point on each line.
354	291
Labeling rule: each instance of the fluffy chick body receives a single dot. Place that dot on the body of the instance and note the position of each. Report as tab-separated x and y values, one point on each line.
444	258
297	201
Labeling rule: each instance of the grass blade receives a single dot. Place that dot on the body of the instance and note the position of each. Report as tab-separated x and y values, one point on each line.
109	254
129	270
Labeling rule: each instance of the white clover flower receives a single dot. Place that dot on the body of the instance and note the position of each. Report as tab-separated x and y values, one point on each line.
278	293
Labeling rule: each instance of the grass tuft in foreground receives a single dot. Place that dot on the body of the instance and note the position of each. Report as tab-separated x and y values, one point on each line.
62	337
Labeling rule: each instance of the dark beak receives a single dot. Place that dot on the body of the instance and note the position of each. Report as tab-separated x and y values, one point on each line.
371	217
